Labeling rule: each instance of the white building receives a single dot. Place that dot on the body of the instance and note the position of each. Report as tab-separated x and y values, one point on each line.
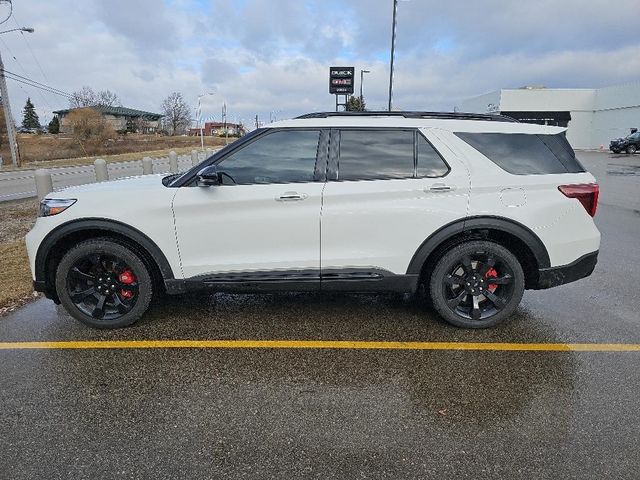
593	115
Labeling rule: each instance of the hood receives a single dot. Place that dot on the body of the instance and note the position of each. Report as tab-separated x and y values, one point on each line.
128	184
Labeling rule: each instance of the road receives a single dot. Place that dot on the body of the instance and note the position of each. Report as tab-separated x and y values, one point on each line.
340	413
17	184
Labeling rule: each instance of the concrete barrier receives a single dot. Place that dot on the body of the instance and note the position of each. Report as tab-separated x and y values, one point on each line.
195	159
102	174
44	183
147	166
173	162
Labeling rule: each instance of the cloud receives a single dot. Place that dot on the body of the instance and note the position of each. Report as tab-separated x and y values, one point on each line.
273	55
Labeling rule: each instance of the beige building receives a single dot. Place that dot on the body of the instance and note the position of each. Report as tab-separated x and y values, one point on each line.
120	118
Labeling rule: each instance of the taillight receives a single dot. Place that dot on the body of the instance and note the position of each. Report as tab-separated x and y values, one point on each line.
586	193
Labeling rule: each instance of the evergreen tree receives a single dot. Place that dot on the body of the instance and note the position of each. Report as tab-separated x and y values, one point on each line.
54	125
29	116
355	104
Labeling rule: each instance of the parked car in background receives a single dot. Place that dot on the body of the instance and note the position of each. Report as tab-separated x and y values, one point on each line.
629	144
27	130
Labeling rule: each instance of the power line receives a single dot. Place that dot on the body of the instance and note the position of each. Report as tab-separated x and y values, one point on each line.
38	87
10	10
10	77
38	83
44	101
31	50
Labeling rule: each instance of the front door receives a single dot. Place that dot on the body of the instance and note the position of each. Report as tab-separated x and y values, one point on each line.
264	219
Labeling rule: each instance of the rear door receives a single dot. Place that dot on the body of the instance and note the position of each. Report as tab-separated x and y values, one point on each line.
388	190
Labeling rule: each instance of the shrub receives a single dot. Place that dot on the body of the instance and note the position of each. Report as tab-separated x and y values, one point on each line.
89	129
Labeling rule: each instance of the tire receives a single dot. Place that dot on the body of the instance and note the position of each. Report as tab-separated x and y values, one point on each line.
480	270
631	149
104	284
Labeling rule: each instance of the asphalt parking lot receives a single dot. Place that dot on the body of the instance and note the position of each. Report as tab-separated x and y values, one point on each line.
236	411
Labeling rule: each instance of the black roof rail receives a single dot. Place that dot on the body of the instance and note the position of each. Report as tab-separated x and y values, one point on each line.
439	115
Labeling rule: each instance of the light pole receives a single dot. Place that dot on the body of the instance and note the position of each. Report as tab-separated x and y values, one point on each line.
273	115
200	117
393	51
362	72
8	118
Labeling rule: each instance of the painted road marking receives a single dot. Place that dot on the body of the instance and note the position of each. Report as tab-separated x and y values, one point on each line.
323	344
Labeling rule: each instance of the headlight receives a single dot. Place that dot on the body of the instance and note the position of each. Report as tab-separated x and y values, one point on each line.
54	206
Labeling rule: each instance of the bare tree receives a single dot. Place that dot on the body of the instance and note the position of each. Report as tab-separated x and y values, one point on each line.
177	113
106	98
87	97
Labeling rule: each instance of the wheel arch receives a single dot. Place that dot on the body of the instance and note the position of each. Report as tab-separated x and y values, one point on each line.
520	240
65	236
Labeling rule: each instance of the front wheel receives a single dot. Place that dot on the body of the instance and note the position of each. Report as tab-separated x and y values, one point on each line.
104	284
477	284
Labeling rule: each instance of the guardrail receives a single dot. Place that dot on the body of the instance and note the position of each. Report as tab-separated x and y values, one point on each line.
46	181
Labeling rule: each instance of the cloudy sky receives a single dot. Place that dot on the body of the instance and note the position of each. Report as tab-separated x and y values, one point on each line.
263	56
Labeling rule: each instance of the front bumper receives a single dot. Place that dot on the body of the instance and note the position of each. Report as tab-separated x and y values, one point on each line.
554	276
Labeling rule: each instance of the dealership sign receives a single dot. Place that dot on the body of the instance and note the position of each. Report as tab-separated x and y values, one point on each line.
341	80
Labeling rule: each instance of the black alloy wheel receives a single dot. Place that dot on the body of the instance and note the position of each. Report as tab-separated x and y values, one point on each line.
103	284
631	149
477	284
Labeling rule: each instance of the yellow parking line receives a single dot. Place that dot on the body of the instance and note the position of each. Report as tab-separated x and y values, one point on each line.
324	344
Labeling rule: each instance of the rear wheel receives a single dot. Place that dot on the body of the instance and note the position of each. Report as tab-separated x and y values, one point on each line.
103	284
631	149
477	284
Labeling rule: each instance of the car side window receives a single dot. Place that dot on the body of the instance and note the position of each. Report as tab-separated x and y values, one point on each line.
375	154
525	154
430	163
285	156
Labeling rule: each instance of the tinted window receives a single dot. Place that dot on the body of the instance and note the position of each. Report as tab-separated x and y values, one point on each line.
281	157
375	154
430	164
523	154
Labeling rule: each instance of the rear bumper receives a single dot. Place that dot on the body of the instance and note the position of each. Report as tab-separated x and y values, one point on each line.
554	276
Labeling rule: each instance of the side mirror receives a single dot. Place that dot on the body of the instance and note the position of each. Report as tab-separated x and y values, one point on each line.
209	176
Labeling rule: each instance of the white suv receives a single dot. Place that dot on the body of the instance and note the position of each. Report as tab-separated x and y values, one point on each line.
477	208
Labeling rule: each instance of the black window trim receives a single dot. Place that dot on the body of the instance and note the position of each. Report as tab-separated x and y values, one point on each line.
320	176
333	168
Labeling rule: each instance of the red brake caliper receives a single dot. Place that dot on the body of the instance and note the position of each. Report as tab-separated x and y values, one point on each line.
492	274
127	278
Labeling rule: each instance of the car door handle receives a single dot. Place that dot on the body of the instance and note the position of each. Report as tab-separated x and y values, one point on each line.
440	187
291	197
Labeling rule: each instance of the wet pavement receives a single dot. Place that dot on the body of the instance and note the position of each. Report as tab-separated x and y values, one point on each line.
261	413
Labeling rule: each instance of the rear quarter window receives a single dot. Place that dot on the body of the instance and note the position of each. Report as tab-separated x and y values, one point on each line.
525	154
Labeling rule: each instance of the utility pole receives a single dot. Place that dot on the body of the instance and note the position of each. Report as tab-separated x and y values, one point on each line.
200	121
362	72
257	124
393	51
200	117
11	132
224	121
